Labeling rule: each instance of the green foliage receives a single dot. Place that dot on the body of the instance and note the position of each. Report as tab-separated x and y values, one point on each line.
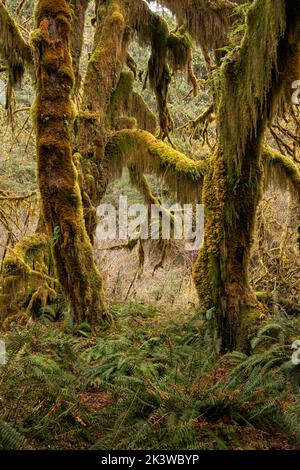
171	392
38	388
147	383
10	438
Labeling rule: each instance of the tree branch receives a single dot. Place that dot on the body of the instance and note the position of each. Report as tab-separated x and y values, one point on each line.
146	154
282	171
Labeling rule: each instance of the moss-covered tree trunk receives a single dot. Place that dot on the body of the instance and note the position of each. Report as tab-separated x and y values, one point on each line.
105	65
78	9
57	175
253	80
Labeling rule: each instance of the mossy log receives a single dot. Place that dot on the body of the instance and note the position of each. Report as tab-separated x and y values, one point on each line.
291	307
57	176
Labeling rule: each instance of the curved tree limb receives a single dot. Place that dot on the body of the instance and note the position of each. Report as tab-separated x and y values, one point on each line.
281	170
141	150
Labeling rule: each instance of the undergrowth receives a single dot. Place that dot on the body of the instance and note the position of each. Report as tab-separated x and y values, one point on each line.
147	383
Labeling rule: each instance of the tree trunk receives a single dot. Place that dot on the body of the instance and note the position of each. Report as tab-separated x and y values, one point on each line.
57	175
103	72
232	188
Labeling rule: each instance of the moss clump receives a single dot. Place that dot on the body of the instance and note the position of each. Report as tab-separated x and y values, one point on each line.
180	56
26	273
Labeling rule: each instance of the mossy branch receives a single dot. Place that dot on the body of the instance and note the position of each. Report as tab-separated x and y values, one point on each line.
207	20
282	171
146	154
171	51
11	39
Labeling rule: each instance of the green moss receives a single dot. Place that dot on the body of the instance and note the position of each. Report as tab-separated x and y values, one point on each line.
147	154
207	269
14	50
281	171
126	105
251	319
120	102
240	118
58	177
180	56
25	270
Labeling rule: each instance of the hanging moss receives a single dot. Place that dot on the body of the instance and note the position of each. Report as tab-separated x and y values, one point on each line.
167	48
120	104
15	51
281	171
103	71
207	20
126	105
241	117
180	56
201	124
147	154
178	49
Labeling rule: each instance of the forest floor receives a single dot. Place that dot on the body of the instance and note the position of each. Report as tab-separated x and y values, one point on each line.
150	381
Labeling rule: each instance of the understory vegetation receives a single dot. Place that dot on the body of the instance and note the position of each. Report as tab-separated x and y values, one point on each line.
150	382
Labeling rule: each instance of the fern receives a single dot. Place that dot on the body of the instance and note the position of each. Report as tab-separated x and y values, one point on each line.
10	438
